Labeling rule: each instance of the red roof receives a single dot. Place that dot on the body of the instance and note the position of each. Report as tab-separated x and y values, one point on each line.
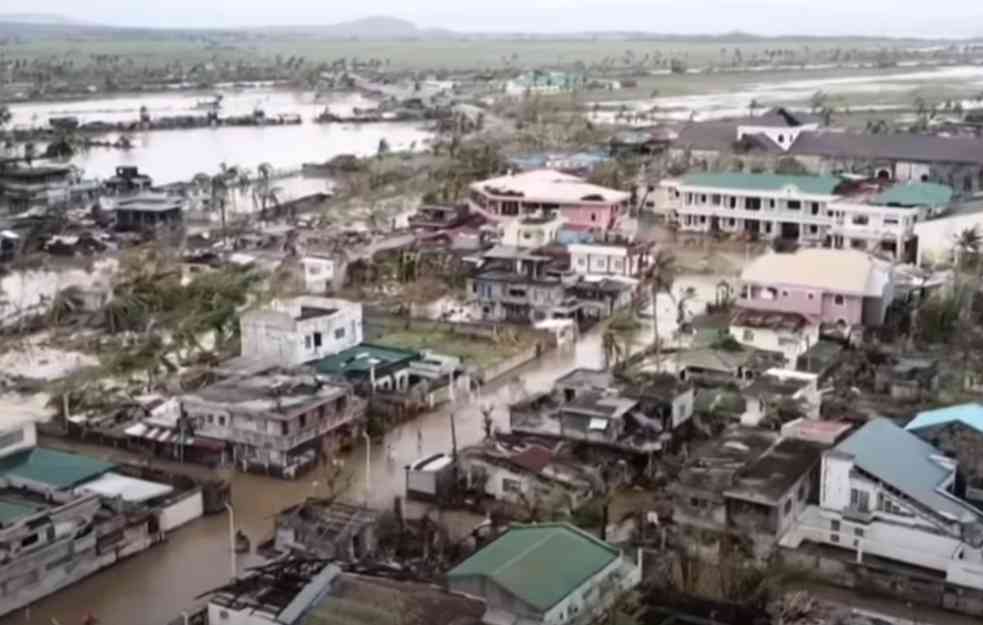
535	458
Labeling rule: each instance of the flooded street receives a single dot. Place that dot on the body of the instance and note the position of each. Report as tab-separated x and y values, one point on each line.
175	155
156	585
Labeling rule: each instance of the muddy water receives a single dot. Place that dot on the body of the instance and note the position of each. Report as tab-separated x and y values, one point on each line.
174	155
154	586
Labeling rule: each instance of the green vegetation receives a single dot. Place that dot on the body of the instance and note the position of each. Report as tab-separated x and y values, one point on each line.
471	350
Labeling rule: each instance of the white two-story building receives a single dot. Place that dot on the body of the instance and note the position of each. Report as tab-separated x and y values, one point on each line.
884	492
625	261
299	330
836	212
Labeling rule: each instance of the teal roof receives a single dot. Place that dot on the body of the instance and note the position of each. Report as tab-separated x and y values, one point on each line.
916	194
969	414
361	358
539	564
11	512
57	469
815	185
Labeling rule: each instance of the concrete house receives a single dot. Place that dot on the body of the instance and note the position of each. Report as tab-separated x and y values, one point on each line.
516	285
776	386
786	334
531	232
299	330
549	574
886	493
546	191
600	259
275	421
532	474
40	187
842	288
749	481
148	211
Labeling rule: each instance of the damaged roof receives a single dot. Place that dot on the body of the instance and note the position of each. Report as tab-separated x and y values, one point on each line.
769	478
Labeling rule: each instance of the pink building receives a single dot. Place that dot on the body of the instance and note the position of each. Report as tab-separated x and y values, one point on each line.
576	201
845	288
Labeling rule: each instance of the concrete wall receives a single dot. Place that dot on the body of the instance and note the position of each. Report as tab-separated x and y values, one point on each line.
279	336
936	237
225	616
790	344
182	511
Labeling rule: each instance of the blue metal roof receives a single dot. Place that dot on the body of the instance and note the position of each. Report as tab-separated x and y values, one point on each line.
970	414
907	463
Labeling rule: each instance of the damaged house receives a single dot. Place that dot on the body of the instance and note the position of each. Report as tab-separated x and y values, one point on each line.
747	482
276	421
326	529
528	476
637	418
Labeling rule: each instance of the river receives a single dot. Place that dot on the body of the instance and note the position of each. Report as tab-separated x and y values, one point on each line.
174	155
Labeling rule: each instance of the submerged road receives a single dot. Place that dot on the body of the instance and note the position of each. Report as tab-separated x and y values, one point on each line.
155	586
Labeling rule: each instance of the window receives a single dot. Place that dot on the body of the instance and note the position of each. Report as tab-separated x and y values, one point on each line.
834	525
731	222
703	199
788	507
317	340
890	221
732	202
784	293
593	216
752	203
221	421
860	220
771	203
715	199
339	333
838	300
781	138
834	538
813	229
511	486
703	219
815	208
307	342
812	295
858	532
860	500
748	336
303	419
794	205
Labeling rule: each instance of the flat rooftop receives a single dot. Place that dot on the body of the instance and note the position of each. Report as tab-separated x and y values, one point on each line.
272	394
597	405
776	384
771	476
587	378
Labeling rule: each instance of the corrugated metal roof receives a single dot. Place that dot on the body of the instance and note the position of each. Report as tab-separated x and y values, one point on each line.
907	463
539	564
916	194
970	414
362	358
55	468
813	185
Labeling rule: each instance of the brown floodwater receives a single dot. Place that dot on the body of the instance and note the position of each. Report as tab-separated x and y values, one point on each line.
155	586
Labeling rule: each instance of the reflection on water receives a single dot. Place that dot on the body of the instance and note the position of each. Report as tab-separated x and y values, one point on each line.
174	155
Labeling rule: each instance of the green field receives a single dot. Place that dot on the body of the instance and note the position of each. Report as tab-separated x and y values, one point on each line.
427	55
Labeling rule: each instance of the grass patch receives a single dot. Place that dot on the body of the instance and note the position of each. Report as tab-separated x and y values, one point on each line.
473	351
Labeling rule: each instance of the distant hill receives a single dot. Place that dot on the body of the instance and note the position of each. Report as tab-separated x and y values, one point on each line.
379	28
39	19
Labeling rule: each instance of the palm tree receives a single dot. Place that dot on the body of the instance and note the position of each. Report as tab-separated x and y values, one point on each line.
219	193
30	152
968	244
613	350
658	277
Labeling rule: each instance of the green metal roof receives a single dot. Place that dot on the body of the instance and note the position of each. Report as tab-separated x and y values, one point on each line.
11	512
361	358
55	468
916	194
815	185
539	564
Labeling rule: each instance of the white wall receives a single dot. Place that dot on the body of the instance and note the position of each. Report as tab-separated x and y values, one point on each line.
935	237
602	259
182	511
318	273
277	335
682	408
585	599
18	438
791	345
835	482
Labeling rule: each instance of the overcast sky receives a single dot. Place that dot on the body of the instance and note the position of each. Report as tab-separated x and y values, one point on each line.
935	18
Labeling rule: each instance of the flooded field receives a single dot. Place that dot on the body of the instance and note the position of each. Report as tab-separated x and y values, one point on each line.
885	90
174	155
